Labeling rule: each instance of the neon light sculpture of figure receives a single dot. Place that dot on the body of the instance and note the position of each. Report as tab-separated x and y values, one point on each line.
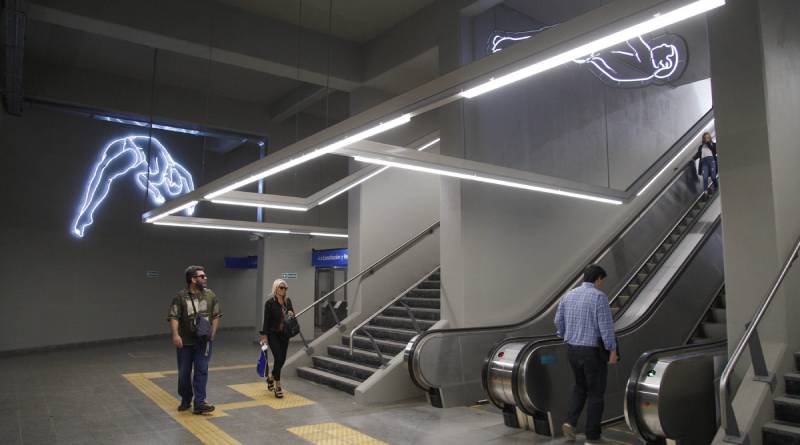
167	178
635	63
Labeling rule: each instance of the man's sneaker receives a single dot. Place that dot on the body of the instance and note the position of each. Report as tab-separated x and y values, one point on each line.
568	431
184	406
203	409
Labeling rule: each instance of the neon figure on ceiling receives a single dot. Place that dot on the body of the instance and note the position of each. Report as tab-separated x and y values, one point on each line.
164	178
636	63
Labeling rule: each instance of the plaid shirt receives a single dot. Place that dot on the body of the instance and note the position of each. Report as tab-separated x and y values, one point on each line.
583	317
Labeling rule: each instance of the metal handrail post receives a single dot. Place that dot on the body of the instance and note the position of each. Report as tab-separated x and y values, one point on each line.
750	338
374	266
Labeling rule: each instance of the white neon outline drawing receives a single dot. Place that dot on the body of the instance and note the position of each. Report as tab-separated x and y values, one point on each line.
163	178
658	63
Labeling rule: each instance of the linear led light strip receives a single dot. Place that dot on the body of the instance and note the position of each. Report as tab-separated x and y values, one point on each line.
478	178
256	204
170	212
709	125
657	22
385	126
367	178
248	229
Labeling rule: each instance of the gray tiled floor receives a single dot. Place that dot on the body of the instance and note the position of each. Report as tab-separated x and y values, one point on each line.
78	396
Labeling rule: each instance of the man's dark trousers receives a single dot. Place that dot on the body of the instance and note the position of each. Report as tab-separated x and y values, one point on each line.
590	367
198	355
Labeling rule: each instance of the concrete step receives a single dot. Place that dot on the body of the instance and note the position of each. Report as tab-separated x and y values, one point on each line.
424	293
344	368
430	284
715	331
787	409
362	356
792	381
388	347
431	303
778	433
395	334
420	312
718	315
401	322
326	378
436	276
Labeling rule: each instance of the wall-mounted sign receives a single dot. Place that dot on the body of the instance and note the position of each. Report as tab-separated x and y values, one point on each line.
289	275
636	63
241	262
329	258
152	274
162	177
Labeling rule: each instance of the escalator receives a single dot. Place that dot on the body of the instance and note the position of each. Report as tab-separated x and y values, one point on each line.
447	363
530	378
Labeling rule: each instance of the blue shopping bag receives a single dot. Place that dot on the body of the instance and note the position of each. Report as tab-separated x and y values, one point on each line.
261	366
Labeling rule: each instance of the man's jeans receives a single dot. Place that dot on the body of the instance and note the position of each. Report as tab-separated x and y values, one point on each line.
198	355
709	169
590	367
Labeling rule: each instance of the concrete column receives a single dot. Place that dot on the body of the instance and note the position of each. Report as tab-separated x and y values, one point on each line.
755	49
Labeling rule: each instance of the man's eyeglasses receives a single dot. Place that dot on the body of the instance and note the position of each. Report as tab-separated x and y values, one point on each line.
205	277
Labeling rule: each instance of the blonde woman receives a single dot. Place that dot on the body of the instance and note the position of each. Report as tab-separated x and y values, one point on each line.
276	308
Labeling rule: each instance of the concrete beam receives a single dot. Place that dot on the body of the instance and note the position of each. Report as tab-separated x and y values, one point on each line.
280	57
13	41
296	101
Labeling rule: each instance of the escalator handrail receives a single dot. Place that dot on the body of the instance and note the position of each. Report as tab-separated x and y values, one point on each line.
727	417
415	342
528	350
636	371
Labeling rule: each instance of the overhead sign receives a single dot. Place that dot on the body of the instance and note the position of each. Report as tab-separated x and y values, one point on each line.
241	262
329	258
289	275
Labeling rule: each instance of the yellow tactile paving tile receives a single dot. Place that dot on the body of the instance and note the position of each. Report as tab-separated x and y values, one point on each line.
258	392
332	433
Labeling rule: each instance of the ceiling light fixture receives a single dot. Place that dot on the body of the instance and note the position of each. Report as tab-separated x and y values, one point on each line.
170	212
380	128
485	179
221	227
658	21
259	205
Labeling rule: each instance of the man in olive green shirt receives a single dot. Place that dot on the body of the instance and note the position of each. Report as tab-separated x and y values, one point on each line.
194	351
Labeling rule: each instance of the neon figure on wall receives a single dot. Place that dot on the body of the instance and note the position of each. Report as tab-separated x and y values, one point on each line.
636	63
163	178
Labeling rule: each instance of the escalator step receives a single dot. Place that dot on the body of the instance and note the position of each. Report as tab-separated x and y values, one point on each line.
667	246
651	266
658	256
614	310
642	276
622	299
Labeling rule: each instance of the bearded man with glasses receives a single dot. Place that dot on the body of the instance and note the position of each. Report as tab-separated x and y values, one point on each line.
194	317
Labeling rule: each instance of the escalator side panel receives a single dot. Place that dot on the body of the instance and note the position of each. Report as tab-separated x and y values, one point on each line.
545	382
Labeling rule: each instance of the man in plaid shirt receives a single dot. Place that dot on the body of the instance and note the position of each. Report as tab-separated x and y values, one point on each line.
584	321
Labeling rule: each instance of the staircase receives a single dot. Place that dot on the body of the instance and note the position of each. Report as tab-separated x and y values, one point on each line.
785	429
392	329
657	258
713	327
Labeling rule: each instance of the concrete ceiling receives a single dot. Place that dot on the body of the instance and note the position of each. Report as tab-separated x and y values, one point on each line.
354	20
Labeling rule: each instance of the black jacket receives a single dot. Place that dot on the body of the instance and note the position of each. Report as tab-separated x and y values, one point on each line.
273	315
711	145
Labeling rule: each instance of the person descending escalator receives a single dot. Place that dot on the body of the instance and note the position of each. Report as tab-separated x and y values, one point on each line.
707	154
583	320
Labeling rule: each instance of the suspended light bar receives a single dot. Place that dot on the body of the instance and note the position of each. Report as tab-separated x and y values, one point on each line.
486	179
260	205
170	212
360	181
429	144
380	128
246	226
649	183
220	227
657	22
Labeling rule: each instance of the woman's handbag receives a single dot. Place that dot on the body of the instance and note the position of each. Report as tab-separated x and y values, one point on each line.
290	325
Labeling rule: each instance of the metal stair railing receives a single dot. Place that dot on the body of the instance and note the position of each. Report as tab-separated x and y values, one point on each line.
366	271
386	306
749	340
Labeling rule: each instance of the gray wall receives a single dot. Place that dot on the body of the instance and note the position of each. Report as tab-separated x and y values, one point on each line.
60	289
504	251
